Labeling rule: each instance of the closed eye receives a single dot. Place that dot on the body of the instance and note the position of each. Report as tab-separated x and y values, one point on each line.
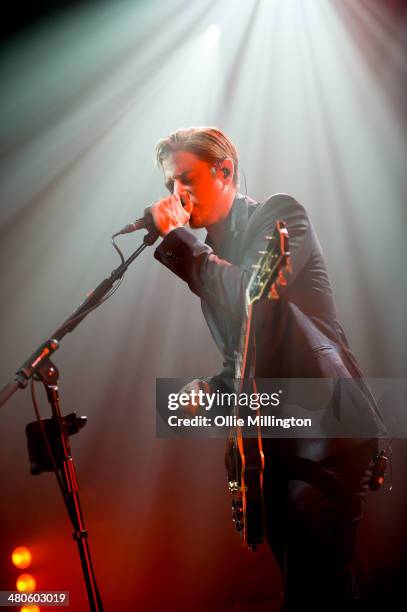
185	178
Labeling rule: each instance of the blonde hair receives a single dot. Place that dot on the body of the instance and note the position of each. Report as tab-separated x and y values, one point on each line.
208	143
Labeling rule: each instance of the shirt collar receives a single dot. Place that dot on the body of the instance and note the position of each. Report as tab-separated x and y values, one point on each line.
236	220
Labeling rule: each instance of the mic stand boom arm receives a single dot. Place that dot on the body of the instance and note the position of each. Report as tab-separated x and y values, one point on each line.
40	367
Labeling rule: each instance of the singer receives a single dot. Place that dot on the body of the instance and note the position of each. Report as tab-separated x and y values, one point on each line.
314	490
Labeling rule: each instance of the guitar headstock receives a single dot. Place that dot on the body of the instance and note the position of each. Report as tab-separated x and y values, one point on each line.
269	272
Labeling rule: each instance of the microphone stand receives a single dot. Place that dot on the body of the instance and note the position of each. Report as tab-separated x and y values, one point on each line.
40	367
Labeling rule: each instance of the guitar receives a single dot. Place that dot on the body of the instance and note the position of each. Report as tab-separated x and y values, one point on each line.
244	456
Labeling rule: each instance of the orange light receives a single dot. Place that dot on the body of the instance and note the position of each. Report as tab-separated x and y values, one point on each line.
26	583
30	609
21	557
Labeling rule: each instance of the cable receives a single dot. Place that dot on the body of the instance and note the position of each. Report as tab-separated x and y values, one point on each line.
111	292
245	184
84	313
118	250
45	438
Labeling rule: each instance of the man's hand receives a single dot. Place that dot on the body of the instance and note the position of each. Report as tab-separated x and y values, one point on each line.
194	388
169	213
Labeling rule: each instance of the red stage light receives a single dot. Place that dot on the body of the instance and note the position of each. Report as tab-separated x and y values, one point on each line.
21	557
26	583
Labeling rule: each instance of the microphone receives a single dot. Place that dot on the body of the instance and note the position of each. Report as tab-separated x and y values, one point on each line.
146	222
133	227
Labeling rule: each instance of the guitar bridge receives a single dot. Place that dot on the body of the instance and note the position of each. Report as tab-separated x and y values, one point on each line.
233	486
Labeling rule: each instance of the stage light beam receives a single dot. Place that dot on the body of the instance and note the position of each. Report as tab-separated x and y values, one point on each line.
211	37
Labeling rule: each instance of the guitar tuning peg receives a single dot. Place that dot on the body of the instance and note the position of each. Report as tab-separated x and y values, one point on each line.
269	237
256	266
281	278
262	252
273	295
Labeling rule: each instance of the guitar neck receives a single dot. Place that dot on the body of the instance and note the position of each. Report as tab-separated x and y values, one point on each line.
244	367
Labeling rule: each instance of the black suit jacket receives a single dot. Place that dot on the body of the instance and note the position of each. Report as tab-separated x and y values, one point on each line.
297	336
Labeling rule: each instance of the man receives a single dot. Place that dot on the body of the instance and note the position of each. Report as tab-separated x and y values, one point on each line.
313	489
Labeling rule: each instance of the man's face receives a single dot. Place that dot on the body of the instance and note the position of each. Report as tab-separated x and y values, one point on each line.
185	172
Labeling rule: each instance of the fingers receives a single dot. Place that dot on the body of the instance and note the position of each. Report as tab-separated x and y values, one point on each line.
194	385
186	202
188	208
194	389
169	214
149	219
183	205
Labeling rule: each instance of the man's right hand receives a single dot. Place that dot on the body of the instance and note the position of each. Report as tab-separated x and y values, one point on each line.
169	213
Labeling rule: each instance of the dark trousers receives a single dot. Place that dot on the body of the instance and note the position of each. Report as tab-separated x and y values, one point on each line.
312	514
